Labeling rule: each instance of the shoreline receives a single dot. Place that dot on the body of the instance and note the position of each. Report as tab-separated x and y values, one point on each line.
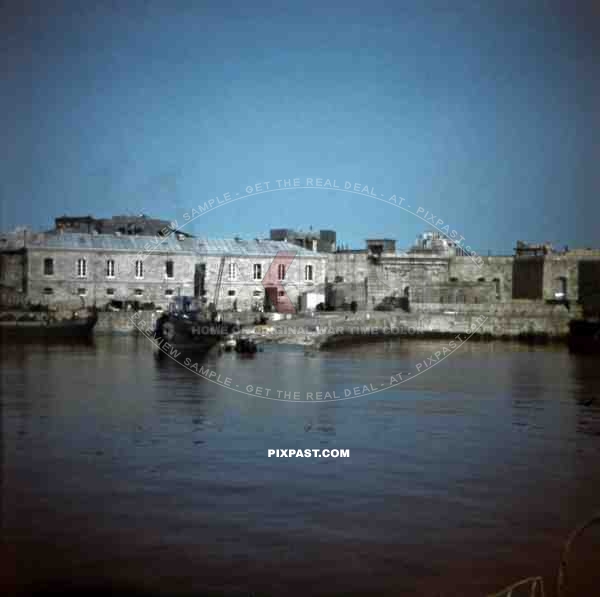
528	323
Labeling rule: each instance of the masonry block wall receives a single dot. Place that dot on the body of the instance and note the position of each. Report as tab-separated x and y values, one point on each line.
242	277
13	282
26	276
497	270
71	284
560	275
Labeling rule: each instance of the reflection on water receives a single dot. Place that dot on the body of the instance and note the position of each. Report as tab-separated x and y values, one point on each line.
123	469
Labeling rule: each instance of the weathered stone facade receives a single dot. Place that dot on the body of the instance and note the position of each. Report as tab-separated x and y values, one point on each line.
73	269
419	278
242	276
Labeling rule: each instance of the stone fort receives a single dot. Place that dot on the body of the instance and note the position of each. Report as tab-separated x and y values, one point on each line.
85	261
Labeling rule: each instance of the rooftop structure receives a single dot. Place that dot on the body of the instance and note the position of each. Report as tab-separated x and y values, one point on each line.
322	241
433	242
381	246
124	224
242	247
524	249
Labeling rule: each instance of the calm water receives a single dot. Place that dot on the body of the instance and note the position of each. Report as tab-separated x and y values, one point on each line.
126	471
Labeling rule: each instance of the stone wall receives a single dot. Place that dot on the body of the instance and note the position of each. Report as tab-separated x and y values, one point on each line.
13	282
510	319
548	277
497	270
350	267
245	292
354	275
123	323
589	286
71	290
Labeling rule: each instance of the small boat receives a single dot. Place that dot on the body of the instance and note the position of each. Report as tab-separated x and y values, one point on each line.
229	344
46	326
584	336
246	346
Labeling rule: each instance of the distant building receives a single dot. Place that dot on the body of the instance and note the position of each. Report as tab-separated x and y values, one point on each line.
323	241
542	273
141	225
383	246
434	242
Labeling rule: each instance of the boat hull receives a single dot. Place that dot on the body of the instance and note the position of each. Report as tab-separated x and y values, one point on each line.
189	335
47	330
584	337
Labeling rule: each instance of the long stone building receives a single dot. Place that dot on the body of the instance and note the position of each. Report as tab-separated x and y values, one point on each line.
88	261
70	269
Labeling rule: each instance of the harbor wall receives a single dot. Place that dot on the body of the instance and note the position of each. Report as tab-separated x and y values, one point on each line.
123	323
508	319
500	320
512	319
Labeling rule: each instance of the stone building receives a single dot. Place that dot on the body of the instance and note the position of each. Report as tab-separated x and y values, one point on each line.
381	273
75	269
90	265
322	241
254	273
71	269
435	271
542	273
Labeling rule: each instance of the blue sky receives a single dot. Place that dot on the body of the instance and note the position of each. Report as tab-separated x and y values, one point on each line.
485	114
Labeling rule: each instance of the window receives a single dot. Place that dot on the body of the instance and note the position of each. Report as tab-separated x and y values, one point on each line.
257	293
281	271
231	293
48	291
139	269
110	291
81	268
281	293
257	271
82	291
233	271
497	287
168	291
48	266
110	268
308	273
170	267
561	288
139	292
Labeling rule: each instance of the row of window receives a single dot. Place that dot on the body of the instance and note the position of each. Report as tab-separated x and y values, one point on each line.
257	273
140	292
109	271
109	291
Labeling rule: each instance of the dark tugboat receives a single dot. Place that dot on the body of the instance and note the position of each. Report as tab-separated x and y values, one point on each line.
32	325
191	330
